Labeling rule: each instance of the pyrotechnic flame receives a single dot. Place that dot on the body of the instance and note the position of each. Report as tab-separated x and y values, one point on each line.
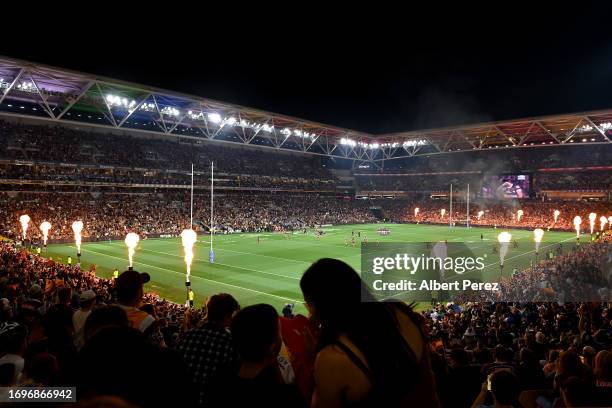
77	227
24	220
538	233
556	215
442	212
504	239
519	214
577	222
45	227
610	221
416	211
131	241
592	218
480	214
602	222
189	238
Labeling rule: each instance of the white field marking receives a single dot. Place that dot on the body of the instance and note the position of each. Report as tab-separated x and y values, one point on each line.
198	277
222	264
265	256
246	253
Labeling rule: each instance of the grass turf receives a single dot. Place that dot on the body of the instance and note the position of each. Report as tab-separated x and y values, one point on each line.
269	271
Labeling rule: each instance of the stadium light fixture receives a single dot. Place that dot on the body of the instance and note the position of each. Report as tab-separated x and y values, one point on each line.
170	111
114	100
26	86
148	107
603	126
413	143
214	118
348	142
231	121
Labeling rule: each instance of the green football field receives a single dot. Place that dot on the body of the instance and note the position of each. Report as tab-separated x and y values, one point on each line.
269	271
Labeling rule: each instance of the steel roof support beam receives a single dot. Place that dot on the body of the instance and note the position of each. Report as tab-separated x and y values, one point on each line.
44	105
138	105
110	116
75	100
10	87
599	130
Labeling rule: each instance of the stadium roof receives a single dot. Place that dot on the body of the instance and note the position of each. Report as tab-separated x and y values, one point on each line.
60	95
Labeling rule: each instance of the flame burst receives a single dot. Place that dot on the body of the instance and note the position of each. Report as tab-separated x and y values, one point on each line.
538	233
602	222
77	227
480	214
556	215
504	239
131	241
592	218
24	220
610	221
519	214
577	222
416	212
45	227
189	238
442	212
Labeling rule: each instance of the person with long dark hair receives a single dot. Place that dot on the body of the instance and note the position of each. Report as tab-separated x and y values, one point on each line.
370	353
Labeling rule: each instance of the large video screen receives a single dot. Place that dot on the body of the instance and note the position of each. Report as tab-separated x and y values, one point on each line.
506	186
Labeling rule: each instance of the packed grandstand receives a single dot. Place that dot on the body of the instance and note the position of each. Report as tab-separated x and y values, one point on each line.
63	326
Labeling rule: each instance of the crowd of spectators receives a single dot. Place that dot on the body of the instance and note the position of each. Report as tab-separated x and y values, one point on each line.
60	325
113	215
536	214
587	180
417	183
89	175
503	161
550	354
569	179
60	144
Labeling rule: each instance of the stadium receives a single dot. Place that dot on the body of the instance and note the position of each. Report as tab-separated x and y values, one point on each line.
223	205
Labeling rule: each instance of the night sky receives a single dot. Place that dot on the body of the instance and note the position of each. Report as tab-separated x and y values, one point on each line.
418	71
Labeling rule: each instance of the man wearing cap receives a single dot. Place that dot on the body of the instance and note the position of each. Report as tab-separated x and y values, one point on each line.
129	296
87	300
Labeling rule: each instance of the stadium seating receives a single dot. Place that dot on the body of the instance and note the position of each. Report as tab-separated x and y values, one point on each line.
54	332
